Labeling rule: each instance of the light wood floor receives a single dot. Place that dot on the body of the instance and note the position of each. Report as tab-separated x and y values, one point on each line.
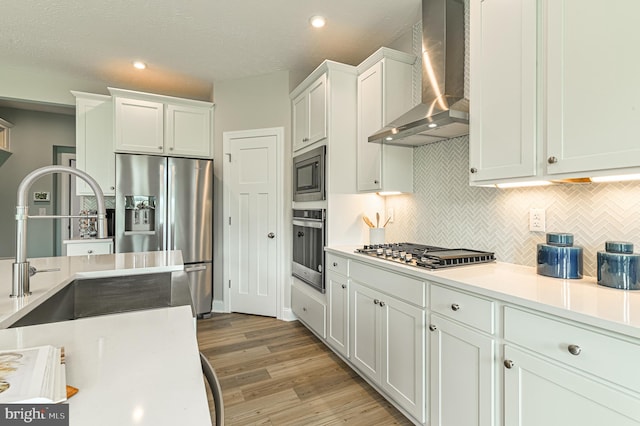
278	373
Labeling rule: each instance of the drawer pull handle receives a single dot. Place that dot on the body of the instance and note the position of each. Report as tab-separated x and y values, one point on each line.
508	363
304	309
382	303
89	251
432	327
335	263
455	307
376	301
344	286
574	349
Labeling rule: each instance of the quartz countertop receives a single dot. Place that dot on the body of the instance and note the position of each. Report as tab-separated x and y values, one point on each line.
45	284
581	300
137	368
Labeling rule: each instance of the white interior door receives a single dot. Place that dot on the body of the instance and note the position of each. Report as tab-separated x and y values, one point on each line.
251	196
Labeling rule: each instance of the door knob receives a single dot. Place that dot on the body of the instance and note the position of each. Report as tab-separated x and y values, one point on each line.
271	235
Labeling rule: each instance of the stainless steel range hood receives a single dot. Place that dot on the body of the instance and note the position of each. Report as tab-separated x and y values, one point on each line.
444	112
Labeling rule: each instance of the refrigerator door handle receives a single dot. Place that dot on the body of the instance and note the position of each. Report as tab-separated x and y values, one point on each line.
195	268
171	206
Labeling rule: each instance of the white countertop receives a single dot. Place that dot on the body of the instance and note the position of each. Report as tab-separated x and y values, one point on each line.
45	284
138	368
581	300
108	240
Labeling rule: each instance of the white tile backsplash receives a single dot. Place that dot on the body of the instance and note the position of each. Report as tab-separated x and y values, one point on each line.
446	211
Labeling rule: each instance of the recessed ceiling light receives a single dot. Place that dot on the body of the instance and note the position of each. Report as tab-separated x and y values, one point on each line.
432	125
318	21
388	138
139	65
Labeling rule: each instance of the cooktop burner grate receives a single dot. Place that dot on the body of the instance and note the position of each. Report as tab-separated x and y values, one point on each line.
425	256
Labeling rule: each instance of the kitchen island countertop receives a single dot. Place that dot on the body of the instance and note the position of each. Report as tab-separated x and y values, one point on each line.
576	299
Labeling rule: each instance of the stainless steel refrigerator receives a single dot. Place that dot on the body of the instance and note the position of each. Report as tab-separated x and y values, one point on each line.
166	203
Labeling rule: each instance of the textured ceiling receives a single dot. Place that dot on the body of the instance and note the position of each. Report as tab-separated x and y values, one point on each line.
188	45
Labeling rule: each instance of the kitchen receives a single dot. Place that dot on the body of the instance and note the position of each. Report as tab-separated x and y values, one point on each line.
479	218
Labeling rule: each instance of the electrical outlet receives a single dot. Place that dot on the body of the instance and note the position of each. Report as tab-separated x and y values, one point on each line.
537	220
390	215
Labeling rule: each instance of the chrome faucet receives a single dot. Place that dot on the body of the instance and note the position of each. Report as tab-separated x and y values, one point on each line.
20	284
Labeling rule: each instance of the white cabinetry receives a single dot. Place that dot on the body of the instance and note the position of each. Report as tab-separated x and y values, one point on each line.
387	336
384	93
306	306
462	359
337	285
543	106
576	374
94	142
310	114
153	124
5	140
88	247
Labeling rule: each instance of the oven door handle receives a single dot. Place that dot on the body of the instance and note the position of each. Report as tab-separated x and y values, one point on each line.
308	223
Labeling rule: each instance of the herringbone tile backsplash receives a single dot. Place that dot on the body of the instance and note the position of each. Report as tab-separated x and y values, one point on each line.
446	211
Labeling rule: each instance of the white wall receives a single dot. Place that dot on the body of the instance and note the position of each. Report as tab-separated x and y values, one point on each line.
249	103
33	138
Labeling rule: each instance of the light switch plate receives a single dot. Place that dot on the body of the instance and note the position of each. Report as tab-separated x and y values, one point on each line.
537	220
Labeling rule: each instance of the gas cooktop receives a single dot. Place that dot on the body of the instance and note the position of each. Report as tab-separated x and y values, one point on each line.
424	256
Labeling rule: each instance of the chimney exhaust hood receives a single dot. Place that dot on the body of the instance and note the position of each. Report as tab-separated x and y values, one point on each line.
444	111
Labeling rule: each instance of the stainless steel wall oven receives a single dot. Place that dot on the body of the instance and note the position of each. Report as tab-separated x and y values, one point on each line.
309	176
308	246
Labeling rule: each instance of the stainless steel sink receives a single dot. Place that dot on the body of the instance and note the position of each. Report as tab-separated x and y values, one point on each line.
88	297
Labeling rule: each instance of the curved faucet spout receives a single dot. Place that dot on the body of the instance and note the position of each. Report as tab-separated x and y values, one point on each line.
20	285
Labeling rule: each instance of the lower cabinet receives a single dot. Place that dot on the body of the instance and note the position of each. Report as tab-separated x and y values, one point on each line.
338	318
461	376
308	309
388	345
538	391
87	247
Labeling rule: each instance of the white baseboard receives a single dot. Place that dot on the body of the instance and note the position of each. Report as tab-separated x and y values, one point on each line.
218	306
288	315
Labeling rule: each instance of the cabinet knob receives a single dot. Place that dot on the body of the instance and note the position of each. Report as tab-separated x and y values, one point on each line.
112	187
271	235
305	139
473	170
574	350
376	181
160	148
382	303
304	309
335	263
432	327
376	301
344	286
508	363
89	251
552	160
171	149
455	307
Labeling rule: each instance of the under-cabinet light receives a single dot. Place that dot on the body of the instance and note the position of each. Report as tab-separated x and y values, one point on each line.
318	21
383	193
523	184
617	178
139	65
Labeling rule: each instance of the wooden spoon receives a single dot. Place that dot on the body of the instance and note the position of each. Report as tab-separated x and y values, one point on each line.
377	220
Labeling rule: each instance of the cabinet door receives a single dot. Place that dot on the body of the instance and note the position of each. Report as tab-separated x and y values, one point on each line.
318	110
592	88
94	144
539	392
461	375
365	333
503	47
89	248
370	120
403	354
139	126
338	299
300	107
188	131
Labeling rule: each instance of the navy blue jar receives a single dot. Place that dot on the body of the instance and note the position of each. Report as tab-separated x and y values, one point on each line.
619	266
559	258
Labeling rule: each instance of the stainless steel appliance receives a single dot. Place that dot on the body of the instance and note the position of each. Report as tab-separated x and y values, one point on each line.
308	247
423	256
166	203
309	175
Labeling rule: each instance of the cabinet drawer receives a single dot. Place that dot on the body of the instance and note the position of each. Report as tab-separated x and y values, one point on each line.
338	264
81	249
603	355
309	310
463	307
405	288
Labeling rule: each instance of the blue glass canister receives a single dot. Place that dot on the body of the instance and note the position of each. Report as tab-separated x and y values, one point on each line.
559	258
619	266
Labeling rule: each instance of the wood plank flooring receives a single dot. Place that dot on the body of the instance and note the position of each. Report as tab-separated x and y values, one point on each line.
278	373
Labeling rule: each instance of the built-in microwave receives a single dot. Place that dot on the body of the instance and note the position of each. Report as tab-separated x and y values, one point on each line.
309	175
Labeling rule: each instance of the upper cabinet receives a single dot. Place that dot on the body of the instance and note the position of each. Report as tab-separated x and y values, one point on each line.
154	124
5	140
94	142
553	93
384	93
310	114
